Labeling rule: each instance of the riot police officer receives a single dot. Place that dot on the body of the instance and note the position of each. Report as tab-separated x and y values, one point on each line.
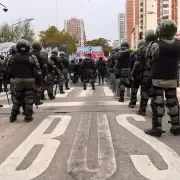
53	73
163	59
58	62
122	68
146	77
65	64
89	71
24	68
36	51
101	67
136	72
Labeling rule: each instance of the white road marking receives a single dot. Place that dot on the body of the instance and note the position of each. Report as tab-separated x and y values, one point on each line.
77	166
45	156
65	94
86	93
74	104
142	162
108	92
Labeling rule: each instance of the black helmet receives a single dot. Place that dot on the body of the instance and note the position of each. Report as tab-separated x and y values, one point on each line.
116	49
88	54
166	29
141	43
23	46
54	52
125	44
12	50
101	58
62	53
37	45
150	36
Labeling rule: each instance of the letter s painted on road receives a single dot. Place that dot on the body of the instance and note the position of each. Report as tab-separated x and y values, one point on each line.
44	158
142	162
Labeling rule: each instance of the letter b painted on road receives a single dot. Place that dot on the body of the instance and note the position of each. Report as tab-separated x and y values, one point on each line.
44	158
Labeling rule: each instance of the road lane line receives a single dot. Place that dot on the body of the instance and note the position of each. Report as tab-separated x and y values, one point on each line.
142	162
45	156
87	93
108	92
77	162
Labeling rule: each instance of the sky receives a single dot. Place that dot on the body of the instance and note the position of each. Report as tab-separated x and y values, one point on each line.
100	16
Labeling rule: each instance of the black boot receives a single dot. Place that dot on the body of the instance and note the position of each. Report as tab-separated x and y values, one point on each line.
121	99
93	87
67	88
43	97
51	97
38	102
28	118
84	86
155	131
61	90
1	105
141	112
132	105
175	129
13	118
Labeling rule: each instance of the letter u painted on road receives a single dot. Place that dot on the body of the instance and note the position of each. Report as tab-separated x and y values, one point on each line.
142	162
77	166
44	158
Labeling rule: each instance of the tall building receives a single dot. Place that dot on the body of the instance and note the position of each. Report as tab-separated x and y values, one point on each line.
121	27
76	27
115	44
132	21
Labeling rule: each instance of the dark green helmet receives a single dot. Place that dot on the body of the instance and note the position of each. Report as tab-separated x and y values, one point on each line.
125	44
166	29
141	43
150	36
54	52
23	46
37	45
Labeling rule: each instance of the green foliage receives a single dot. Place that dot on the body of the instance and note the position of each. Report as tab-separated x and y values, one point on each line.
53	35
14	33
100	42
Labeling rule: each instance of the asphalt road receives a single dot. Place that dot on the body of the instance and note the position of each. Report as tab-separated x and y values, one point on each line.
85	135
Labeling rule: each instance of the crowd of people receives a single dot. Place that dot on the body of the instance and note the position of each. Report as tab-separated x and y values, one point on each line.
154	67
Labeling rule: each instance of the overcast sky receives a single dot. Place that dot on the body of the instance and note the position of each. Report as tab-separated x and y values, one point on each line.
100	16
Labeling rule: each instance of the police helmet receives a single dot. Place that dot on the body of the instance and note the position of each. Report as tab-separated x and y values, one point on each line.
54	52
62	53
166	29
150	36
23	46
125	44
141	43
37	45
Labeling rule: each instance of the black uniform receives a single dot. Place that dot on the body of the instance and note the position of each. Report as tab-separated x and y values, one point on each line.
122	70
101	67
163	61
25	81
89	70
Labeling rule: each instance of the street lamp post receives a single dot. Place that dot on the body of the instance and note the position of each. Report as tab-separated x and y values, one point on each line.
5	9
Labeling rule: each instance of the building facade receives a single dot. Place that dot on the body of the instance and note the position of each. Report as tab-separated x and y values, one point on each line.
115	44
75	27
132	21
121	27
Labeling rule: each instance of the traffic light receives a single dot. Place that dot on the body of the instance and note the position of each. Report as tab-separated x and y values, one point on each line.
141	35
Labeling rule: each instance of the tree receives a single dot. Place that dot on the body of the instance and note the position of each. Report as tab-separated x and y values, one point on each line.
52	35
100	42
14	33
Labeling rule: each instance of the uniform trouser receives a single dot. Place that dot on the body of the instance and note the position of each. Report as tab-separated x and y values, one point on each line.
43	88
101	75
1	84
66	79
134	91
144	100
158	109
12	90
88	75
122	86
24	94
50	85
